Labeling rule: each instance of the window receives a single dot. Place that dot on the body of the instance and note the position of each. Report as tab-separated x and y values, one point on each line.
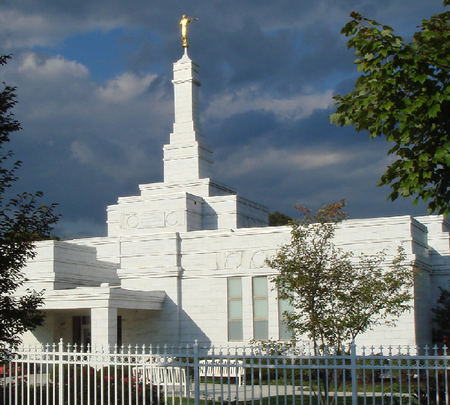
260	308
283	305
235	330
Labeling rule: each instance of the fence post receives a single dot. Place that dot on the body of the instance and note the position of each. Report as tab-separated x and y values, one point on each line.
354	373
196	375
60	372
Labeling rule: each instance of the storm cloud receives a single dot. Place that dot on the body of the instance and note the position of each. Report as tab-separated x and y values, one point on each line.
96	105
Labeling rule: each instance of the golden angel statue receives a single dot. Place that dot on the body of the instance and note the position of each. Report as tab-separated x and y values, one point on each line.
184	22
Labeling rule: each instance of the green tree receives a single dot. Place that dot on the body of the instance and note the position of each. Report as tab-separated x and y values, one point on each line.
22	222
441	317
404	95
334	295
279	219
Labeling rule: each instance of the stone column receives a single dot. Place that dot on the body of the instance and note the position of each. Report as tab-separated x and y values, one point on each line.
103	327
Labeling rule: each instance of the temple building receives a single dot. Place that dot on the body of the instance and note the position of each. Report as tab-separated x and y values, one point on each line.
186	259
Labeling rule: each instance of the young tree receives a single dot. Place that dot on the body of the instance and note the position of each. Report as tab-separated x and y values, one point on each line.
22	222
442	317
334	295
404	95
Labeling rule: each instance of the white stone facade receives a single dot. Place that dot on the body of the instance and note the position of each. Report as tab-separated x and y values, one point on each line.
162	275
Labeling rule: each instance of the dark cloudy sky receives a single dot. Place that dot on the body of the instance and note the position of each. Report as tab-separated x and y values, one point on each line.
96	99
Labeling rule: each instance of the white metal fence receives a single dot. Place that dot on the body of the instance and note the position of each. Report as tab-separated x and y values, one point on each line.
64	374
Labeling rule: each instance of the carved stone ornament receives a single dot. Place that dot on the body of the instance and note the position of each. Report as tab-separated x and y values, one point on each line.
172	218
233	260
259	259
133	221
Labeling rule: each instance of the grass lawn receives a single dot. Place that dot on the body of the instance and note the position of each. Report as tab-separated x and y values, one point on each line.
298	400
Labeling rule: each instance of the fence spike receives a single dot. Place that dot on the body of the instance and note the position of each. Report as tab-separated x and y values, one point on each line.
435	349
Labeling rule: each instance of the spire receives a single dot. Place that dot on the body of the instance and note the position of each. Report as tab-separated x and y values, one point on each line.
187	157
186	96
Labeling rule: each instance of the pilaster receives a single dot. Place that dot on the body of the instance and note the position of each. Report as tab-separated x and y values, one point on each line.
104	326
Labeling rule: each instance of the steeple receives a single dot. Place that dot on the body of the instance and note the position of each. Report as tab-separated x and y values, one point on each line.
189	199
187	157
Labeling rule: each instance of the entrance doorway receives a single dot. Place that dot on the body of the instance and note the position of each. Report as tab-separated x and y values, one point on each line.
81	330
